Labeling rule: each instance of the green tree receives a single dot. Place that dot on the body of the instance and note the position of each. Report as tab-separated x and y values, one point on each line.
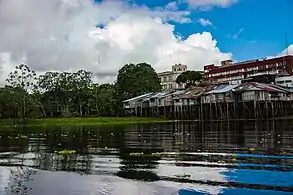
134	80
189	78
10	103
23	81
49	84
82	80
103	100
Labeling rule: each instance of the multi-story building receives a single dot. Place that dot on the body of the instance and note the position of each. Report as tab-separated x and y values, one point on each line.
168	78
233	73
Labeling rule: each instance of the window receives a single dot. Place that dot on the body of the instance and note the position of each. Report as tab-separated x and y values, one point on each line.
170	86
165	79
288	81
170	78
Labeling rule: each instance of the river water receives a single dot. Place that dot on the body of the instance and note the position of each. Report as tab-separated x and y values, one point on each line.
220	157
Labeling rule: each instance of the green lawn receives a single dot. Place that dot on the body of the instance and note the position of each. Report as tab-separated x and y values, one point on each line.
85	121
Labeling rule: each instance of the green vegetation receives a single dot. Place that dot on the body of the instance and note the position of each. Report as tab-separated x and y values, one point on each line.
66	95
84	121
65	152
190	78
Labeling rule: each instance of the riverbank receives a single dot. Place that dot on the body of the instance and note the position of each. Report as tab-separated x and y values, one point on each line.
84	121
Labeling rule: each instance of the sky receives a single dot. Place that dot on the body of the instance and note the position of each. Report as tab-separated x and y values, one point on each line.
101	36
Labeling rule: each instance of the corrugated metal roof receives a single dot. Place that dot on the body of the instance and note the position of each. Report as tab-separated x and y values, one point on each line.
287	89
159	95
138	97
177	94
223	89
266	87
254	86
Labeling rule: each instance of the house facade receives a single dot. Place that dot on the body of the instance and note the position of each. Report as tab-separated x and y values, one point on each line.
168	78
222	93
260	92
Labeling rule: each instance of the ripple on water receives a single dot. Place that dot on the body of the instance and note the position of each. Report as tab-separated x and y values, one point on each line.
214	159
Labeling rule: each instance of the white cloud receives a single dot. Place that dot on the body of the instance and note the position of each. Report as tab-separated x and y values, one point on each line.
288	51
205	22
61	35
172	6
207	4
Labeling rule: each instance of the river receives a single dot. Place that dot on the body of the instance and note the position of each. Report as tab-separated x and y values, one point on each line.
219	157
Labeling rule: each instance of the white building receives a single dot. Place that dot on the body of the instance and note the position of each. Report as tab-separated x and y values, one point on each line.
286	81
168	78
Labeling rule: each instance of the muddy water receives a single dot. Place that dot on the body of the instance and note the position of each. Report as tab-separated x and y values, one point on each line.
223	157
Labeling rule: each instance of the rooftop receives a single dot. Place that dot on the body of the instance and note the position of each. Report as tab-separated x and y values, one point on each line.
165	73
252	61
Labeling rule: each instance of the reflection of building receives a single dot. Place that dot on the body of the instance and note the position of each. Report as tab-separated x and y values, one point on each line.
168	78
230	72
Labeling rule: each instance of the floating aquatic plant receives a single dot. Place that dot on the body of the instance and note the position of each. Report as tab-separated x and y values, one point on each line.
19	136
65	151
221	161
136	154
157	154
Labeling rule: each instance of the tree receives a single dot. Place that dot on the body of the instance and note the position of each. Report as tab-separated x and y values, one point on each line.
103	100
82	81
10	103
23	80
190	78
134	80
49	83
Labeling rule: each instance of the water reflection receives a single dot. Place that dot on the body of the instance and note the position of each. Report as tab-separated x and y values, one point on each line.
212	157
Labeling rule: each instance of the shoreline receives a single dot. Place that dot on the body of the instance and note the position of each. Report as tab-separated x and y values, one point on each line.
90	121
110	121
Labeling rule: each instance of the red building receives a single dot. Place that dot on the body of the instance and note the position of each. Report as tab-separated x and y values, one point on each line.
229	72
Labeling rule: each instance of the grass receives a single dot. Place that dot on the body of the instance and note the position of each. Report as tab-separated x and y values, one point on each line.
85	121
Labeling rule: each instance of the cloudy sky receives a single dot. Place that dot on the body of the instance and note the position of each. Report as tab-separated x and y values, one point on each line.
102	36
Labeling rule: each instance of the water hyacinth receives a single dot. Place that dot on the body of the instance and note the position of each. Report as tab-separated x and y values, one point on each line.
19	136
136	154
157	154
65	152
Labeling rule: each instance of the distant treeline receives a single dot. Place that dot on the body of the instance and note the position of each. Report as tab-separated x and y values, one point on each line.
66	94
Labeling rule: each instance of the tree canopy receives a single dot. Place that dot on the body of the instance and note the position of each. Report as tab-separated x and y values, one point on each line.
70	94
189	78
134	80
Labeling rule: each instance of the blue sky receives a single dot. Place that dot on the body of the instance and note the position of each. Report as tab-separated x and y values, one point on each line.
260	26
60	35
